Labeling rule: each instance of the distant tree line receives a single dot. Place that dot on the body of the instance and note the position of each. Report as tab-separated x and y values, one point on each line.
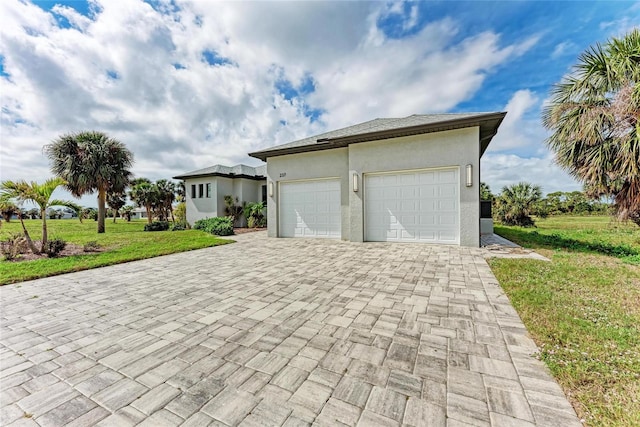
517	204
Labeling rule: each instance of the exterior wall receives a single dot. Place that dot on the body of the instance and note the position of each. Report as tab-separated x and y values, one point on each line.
200	208
315	165
246	190
455	148
441	149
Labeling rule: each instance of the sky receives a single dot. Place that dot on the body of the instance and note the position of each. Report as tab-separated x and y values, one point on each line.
189	84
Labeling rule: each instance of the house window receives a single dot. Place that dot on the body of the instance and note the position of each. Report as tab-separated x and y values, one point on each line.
201	190
208	190
193	191
264	194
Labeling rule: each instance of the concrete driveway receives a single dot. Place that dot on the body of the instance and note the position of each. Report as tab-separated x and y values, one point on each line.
275	332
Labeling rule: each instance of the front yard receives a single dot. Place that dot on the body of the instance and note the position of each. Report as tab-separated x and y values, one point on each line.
583	310
122	242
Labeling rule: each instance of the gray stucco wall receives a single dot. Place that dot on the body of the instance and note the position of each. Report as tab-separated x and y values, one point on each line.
200	208
442	149
246	190
319	164
455	148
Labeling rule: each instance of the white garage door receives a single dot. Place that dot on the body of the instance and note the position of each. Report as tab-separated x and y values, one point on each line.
310	209
416	206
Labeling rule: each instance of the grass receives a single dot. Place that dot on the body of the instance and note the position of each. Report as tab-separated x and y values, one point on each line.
582	309
122	242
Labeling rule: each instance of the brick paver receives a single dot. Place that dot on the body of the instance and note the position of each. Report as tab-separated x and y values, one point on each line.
281	332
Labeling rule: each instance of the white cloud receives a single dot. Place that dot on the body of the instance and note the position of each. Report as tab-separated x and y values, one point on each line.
499	170
562	49
518	129
138	74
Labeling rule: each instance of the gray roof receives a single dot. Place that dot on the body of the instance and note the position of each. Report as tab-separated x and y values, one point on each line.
390	128
237	171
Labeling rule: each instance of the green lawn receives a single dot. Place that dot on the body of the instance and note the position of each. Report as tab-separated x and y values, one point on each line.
582	309
122	242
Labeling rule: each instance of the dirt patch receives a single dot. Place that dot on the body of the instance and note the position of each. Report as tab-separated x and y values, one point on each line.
69	250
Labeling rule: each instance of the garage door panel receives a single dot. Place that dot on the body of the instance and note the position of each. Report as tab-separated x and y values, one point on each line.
413	206
310	209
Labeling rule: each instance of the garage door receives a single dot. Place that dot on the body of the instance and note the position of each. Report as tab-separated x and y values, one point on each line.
416	206
310	208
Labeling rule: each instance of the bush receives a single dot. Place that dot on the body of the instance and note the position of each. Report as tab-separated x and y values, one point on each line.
53	247
91	246
157	226
220	226
180	212
15	245
180	225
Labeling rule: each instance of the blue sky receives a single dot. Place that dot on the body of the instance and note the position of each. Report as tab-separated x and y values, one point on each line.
190	84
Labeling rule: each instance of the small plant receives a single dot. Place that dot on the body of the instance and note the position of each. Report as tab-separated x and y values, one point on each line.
179	226
157	226
220	226
14	246
92	246
53	247
254	212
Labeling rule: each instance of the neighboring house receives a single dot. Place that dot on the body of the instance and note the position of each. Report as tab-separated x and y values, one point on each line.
138	213
206	188
411	179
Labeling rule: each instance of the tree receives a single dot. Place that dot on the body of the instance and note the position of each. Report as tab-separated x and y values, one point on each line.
7	207
126	212
40	194
144	194
91	161
116	200
166	196
516	202
485	192
594	115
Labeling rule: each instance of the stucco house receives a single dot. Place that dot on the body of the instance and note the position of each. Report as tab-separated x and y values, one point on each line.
206	188
411	179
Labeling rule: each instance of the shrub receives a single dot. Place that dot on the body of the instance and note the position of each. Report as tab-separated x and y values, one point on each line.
180	212
157	226
15	245
180	225
53	247
220	226
91	246
255	214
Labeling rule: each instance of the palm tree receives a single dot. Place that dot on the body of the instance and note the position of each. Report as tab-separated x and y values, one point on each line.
143	193
40	194
7	208
516	202
594	115
167	195
91	161
116	201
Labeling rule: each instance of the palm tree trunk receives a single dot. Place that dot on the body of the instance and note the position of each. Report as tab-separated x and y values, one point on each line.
102	200
149	219
114	216
43	214
32	246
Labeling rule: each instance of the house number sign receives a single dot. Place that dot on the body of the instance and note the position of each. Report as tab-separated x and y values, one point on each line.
283	174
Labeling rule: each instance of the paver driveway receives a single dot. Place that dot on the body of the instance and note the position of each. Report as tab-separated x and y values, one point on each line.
275	332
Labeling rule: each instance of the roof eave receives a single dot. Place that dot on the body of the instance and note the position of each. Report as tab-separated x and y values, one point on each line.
222	175
491	121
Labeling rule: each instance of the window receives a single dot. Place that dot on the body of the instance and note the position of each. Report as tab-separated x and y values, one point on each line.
193	191
201	190
264	194
208	190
